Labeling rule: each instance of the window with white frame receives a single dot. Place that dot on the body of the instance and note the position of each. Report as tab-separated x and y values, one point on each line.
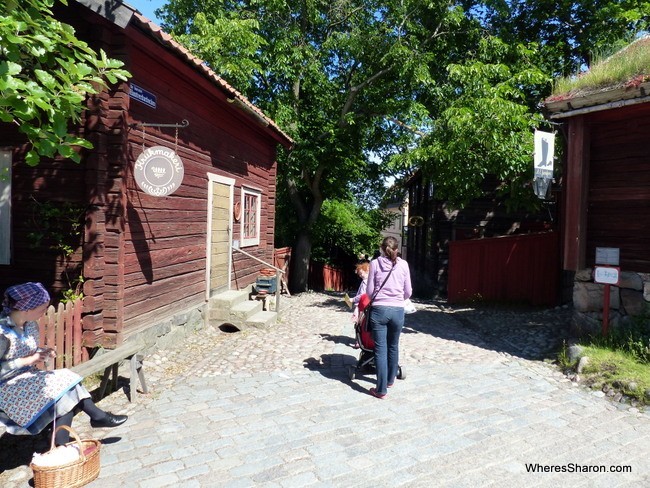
250	221
5	206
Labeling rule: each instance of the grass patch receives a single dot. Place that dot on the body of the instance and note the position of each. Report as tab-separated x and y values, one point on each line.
616	370
619	362
631	64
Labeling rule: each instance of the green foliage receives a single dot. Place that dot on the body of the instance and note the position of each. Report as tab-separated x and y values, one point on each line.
229	42
615	371
451	88
567	31
347	229
46	73
60	226
618	362
74	292
484	126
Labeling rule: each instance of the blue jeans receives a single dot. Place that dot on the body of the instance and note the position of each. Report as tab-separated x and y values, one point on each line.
387	323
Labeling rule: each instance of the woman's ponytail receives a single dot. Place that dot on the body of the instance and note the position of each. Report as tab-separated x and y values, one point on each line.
389	246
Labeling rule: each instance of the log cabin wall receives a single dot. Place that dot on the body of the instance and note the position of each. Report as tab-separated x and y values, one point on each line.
618	198
47	215
165	237
144	257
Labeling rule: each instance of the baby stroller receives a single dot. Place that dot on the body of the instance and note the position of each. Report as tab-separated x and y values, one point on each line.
366	362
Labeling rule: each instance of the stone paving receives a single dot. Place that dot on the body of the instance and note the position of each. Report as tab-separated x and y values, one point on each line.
275	408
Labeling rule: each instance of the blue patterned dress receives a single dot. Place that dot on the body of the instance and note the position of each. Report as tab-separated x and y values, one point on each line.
29	397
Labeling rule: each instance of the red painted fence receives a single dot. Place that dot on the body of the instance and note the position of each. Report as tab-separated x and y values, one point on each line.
60	329
328	278
510	269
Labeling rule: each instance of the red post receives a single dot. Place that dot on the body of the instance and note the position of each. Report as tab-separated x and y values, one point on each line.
605	310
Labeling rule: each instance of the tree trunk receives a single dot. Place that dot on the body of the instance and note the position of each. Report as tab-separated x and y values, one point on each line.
300	257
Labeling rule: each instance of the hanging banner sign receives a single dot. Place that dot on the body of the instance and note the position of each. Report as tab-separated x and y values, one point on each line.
544	152
159	171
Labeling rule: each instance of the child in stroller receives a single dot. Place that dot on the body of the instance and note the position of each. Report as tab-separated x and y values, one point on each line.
366	362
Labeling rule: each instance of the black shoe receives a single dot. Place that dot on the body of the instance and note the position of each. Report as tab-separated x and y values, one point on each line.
109	420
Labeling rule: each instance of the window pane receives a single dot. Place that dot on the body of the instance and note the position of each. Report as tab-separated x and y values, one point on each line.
250	216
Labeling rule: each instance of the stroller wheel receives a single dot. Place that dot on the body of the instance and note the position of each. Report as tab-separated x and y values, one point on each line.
352	371
400	373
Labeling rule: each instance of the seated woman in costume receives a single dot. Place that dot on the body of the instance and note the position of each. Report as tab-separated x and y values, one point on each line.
30	398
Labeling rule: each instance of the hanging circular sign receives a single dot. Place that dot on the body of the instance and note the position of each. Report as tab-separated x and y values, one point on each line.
159	171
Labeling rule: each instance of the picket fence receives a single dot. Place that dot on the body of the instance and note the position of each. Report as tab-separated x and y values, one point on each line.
60	329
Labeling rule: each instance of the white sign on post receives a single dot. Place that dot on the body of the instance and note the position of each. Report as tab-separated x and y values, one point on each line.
608	255
606	275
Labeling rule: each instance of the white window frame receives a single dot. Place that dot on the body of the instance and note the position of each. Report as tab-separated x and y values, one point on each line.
5	206
253	192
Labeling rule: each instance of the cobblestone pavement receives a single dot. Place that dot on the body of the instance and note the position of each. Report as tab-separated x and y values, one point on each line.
276	408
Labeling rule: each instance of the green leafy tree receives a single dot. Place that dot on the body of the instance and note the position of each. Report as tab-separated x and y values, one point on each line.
338	76
451	87
46	74
568	32
484	119
346	228
485	106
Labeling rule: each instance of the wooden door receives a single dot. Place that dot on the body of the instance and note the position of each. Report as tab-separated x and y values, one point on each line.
219	233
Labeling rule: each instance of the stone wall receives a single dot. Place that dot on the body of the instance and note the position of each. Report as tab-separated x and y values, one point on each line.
173	329
631	298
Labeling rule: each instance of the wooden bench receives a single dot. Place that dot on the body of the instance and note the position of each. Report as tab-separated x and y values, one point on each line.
108	361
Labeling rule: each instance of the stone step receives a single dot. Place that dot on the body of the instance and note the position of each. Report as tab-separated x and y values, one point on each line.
262	320
221	304
234	307
229	298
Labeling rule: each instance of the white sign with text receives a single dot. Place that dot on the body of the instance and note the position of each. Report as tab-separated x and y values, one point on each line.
606	275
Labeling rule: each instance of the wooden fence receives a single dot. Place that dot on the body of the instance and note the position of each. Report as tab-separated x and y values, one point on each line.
509	269
328	278
60	328
282	260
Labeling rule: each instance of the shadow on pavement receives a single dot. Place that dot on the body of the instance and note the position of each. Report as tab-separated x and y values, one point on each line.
527	333
333	300
339	339
334	367
17	450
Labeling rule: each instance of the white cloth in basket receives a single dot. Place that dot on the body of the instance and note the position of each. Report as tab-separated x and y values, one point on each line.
56	457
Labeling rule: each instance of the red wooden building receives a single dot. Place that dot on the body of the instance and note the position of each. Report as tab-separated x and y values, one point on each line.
442	263
607	187
144	259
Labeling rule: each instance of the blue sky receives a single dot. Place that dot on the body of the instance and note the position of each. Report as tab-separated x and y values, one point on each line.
147	7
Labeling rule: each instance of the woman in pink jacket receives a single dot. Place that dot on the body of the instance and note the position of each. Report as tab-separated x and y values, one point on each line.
389	285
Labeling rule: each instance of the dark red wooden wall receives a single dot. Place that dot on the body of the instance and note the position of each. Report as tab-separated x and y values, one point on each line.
509	269
608	187
144	257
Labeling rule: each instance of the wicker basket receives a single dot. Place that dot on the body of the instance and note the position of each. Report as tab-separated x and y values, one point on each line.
74	474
